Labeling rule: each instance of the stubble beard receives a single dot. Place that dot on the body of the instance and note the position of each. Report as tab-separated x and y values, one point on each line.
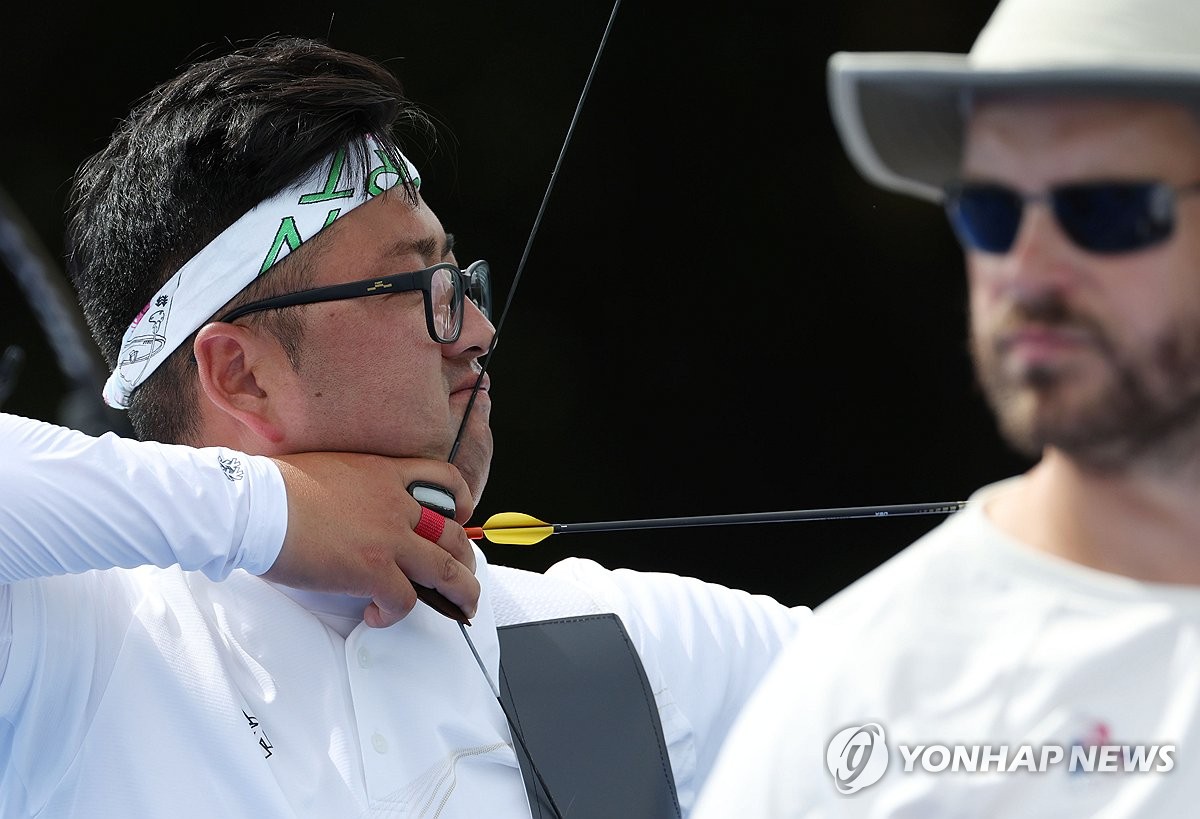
1145	415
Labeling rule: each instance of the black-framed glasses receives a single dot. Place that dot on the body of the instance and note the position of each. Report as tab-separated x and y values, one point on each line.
445	289
1104	217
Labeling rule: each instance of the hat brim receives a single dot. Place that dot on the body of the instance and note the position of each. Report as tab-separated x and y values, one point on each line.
900	114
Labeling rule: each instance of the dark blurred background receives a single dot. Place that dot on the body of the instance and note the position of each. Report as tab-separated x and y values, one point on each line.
718	315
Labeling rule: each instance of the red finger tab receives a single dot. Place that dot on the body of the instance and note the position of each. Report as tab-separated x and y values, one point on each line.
430	526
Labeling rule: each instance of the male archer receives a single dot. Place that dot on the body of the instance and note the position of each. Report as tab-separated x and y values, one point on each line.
284	212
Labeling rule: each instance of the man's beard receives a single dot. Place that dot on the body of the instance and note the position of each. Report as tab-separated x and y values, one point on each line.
1145	414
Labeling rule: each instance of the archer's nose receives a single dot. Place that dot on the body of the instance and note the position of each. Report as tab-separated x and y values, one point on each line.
476	336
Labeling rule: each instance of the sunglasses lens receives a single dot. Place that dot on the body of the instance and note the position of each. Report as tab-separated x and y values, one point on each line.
984	217
1115	217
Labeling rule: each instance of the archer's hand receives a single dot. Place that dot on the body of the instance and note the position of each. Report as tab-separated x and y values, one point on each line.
350	530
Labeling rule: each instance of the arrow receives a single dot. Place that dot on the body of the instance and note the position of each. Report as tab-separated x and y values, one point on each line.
519	529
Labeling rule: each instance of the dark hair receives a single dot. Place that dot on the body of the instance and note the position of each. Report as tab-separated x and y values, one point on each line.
191	158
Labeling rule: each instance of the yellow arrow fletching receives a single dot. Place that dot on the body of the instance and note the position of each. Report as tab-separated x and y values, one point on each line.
516	529
512	520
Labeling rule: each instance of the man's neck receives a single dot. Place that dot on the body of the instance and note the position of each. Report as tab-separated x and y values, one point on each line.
1142	526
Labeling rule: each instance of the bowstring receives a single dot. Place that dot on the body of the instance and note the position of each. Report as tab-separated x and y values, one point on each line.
537	222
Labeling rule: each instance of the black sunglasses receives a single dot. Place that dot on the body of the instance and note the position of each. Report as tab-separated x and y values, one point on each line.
444	286
1101	217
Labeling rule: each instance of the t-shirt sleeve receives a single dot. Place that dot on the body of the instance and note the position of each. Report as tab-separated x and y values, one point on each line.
73	502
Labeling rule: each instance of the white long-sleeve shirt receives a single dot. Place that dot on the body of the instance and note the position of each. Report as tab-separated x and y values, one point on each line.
71	502
155	691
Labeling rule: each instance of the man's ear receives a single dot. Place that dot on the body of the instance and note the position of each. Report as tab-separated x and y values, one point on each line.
237	368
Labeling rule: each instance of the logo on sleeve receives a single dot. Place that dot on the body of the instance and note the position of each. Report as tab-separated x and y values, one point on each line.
232	468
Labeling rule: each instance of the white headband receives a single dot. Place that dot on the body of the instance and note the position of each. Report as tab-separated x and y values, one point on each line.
243	252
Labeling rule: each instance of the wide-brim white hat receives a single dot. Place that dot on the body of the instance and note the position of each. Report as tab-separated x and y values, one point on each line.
900	114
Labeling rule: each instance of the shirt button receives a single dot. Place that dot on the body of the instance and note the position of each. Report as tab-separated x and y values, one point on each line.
364	658
380	743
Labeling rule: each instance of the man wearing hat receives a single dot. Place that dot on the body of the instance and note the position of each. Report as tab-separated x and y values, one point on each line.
1038	654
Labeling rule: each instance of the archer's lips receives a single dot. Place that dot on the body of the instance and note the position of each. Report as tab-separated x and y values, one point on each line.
468	385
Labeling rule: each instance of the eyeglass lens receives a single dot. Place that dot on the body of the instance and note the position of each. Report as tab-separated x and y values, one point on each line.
1101	217
447	303
441	292
479	290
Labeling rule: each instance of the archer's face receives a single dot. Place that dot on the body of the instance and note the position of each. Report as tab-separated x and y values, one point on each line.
1098	355
370	377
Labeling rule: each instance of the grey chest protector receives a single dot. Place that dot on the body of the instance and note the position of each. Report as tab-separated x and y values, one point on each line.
576	689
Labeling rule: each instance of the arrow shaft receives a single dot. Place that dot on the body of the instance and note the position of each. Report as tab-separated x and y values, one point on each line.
838	513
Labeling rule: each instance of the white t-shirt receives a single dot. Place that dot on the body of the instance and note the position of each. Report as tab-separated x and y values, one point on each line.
161	692
973	642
